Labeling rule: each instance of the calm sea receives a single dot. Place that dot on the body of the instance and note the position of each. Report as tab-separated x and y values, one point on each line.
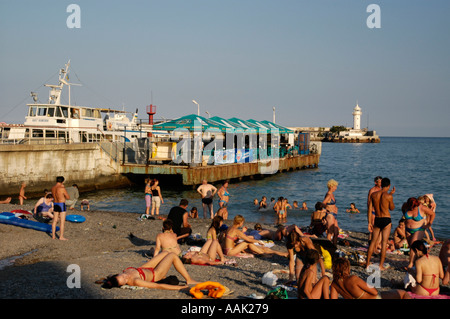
415	166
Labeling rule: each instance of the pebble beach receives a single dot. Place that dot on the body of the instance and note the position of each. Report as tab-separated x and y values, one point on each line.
34	266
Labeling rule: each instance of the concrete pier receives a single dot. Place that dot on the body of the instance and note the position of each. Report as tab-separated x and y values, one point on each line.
191	176
99	166
85	164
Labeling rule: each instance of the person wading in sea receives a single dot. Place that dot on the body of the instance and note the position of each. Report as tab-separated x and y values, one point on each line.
207	192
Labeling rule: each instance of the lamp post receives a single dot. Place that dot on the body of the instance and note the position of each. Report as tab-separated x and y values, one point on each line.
198	107
208	114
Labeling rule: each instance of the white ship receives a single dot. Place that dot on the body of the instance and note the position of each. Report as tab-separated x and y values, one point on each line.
56	123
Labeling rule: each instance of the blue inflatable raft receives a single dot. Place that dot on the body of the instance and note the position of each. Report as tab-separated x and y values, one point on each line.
11	219
75	218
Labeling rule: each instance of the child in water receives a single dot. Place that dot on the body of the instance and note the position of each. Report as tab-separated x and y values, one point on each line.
352	209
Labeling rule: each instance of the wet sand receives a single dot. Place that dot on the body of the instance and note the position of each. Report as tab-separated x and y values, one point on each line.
102	245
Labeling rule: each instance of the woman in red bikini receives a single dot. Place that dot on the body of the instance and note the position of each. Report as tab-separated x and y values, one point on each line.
150	273
428	271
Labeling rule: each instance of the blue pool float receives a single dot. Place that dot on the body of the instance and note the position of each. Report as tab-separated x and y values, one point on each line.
75	218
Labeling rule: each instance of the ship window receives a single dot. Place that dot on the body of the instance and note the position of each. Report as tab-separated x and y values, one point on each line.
32	111
38	133
42	111
51	111
97	114
58	112
65	111
88	113
75	113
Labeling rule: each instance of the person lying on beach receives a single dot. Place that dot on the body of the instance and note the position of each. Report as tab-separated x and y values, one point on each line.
6	201
206	256
259	233
286	230
167	240
353	287
234	233
297	247
308	285
150	273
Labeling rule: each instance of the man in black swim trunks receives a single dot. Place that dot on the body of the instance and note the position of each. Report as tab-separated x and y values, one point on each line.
371	213
382	203
207	191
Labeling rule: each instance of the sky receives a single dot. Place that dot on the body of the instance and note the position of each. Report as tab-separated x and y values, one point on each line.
311	60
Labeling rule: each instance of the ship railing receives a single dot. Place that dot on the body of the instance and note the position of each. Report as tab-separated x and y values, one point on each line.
33	135
47	136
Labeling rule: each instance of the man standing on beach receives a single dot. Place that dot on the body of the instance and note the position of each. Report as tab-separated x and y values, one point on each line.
382	203
60	194
371	217
207	192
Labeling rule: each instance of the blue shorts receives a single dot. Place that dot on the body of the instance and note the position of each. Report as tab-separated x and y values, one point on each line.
59	207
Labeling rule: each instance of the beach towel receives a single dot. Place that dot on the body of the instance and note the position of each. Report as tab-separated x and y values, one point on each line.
267	243
415	296
228	262
170	280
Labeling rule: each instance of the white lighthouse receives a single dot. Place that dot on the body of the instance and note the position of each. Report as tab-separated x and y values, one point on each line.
357	117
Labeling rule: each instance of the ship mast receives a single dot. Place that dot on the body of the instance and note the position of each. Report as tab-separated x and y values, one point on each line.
55	90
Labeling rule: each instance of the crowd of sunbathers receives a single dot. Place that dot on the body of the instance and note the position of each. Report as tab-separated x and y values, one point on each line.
223	244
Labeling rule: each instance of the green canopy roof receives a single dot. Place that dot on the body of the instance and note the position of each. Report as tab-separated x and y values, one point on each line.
191	122
260	125
236	127
247	125
194	122
283	130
